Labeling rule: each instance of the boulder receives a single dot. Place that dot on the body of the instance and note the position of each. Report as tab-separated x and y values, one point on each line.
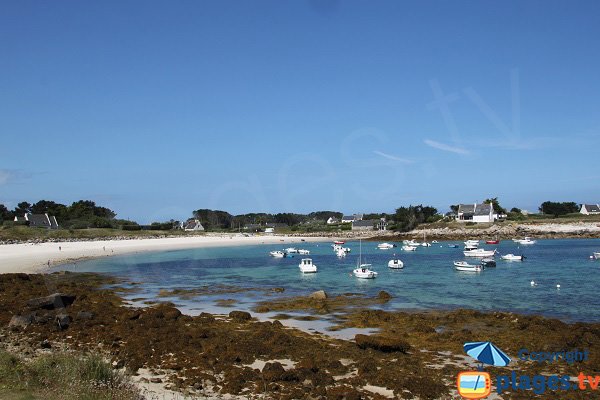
383	295
381	343
240	316
273	371
63	321
20	321
54	301
318	295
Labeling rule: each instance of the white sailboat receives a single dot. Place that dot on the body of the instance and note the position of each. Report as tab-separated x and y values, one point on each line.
363	271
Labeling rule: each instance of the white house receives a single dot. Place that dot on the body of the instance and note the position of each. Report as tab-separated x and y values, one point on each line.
347	218
590	209
39	220
476	213
270	230
193	225
332	220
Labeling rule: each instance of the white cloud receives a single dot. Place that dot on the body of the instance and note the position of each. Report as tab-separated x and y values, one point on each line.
5	175
391	157
445	147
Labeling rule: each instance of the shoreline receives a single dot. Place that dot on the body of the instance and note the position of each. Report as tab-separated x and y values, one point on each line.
40	257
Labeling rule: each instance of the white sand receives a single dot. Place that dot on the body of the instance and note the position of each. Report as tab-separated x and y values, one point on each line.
34	258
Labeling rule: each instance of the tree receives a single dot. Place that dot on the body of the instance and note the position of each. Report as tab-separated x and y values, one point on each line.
515	210
408	218
60	211
213	219
5	214
497	207
556	209
22	209
454	208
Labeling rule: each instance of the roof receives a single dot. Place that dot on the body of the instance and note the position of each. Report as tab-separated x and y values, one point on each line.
348	218
39	220
276	225
466	208
592	207
483	209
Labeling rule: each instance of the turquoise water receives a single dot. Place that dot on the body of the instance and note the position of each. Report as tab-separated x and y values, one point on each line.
428	280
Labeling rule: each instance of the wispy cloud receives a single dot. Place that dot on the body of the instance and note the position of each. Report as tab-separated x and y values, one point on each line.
393	158
445	147
5	176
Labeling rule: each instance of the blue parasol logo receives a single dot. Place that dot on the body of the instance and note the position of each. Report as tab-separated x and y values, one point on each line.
487	353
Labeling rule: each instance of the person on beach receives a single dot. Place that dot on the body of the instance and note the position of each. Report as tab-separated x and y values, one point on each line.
59	248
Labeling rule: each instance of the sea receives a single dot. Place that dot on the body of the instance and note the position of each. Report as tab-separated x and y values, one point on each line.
247	275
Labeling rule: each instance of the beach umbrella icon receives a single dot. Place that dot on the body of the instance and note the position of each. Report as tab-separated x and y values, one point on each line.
487	353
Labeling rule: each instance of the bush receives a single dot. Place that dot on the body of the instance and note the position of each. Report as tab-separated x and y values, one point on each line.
131	228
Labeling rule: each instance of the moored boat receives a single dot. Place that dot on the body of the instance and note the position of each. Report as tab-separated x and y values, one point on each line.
277	254
385	246
306	266
303	252
466	267
488	262
525	240
407	247
512	257
495	241
479	253
396	264
597	255
339	242
363	271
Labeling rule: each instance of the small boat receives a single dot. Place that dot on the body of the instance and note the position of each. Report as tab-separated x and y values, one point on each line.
434	241
385	246
453	246
472	243
526	240
496	241
303	252
469	247
466	267
597	255
340	253
364	272
488	262
407	247
291	250
339	242
425	244
512	257
479	253
396	264
306	266
277	254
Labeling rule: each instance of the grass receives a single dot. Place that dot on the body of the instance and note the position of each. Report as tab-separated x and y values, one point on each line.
62	376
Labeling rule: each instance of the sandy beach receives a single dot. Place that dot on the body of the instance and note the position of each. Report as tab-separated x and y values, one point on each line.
37	257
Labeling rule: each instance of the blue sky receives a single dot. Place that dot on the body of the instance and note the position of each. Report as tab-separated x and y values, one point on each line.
155	109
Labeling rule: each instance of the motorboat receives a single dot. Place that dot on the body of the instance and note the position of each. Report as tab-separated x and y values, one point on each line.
385	246
291	250
596	255
337	247
472	243
469	247
278	254
495	241
306	266
407	247
512	257
466	267
488	262
396	264
453	246
340	253
339	242
425	244
434	241
479	253
303	252
363	271
525	240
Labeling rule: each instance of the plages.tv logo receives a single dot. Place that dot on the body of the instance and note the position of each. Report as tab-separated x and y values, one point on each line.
478	384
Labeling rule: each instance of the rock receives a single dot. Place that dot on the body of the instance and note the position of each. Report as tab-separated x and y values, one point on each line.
156	380
240	316
45	344
85	315
273	371
54	301
262	309
318	295
380	343
20	321
63	321
277	324
383	295
278	289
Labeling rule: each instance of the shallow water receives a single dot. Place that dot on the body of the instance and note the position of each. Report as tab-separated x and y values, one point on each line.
428	280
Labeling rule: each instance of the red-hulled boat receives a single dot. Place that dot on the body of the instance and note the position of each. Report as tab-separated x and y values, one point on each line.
492	241
339	242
